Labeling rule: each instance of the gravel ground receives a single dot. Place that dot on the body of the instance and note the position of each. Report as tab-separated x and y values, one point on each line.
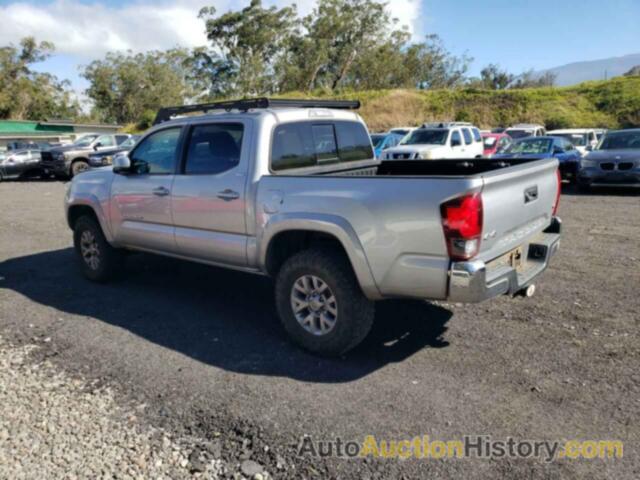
56	426
203	350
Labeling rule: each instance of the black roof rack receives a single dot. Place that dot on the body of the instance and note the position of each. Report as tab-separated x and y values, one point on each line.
166	113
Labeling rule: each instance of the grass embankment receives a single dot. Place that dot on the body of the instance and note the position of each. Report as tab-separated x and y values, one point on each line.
610	104
613	103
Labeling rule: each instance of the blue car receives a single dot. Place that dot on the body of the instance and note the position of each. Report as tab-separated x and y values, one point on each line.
382	141
546	147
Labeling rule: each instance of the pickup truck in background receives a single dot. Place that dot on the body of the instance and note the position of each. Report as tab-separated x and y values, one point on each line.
67	161
291	189
104	157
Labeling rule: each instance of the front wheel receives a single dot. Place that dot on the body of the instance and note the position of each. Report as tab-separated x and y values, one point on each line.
320	303
78	167
98	260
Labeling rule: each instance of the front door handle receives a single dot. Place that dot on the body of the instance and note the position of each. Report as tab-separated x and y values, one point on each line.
161	191
227	195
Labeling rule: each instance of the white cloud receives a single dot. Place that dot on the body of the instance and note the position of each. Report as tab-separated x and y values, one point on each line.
90	30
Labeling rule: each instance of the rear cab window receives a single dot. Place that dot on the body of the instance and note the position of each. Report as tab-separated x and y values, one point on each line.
308	144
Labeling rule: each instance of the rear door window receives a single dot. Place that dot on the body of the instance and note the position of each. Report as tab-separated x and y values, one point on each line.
476	135
467	136
455	139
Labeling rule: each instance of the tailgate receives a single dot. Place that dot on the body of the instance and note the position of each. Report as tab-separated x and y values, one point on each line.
517	205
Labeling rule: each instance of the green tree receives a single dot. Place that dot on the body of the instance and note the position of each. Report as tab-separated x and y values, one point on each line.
123	86
493	77
251	42
27	94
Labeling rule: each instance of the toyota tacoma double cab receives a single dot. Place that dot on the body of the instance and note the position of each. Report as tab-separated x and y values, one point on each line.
291	189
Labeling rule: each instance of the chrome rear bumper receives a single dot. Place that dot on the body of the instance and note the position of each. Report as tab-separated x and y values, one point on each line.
475	281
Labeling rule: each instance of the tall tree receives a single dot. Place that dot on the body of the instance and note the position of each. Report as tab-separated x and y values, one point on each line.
27	94
251	42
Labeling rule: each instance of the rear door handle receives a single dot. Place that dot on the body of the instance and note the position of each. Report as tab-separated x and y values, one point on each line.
227	195
161	191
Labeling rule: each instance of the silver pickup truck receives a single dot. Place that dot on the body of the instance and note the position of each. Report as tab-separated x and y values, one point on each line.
291	189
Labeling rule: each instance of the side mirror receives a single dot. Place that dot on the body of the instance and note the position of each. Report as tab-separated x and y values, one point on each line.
557	151
121	163
589	148
96	146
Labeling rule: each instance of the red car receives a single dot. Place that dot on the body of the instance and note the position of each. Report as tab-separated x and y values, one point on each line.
495	142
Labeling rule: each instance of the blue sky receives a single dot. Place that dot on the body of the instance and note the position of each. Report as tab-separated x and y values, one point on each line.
516	34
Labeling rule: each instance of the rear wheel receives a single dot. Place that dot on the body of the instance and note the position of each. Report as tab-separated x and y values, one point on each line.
79	166
98	260
320	303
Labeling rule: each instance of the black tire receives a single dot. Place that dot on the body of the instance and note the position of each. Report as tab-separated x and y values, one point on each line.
78	167
109	259
354	311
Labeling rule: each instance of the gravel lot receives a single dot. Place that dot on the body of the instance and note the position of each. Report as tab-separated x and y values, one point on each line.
184	358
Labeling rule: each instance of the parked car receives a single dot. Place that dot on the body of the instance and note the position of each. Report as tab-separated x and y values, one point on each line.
19	163
70	160
495	143
523	130
614	162
382	141
438	143
266	188
105	157
546	147
582	138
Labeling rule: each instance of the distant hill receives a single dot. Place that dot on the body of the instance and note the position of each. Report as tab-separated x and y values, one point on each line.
579	72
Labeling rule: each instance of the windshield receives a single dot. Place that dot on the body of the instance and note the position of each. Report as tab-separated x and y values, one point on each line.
85	141
621	141
519	133
426	137
530	146
578	139
377	140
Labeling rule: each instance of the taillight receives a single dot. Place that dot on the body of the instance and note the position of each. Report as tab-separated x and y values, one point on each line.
558	191
462	225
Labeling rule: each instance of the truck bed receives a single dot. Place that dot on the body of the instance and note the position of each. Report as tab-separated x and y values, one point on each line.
392	210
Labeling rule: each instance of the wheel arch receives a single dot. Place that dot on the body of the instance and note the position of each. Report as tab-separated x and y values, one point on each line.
287	234
82	208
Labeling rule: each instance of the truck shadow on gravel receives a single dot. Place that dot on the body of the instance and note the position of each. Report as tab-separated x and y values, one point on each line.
219	317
